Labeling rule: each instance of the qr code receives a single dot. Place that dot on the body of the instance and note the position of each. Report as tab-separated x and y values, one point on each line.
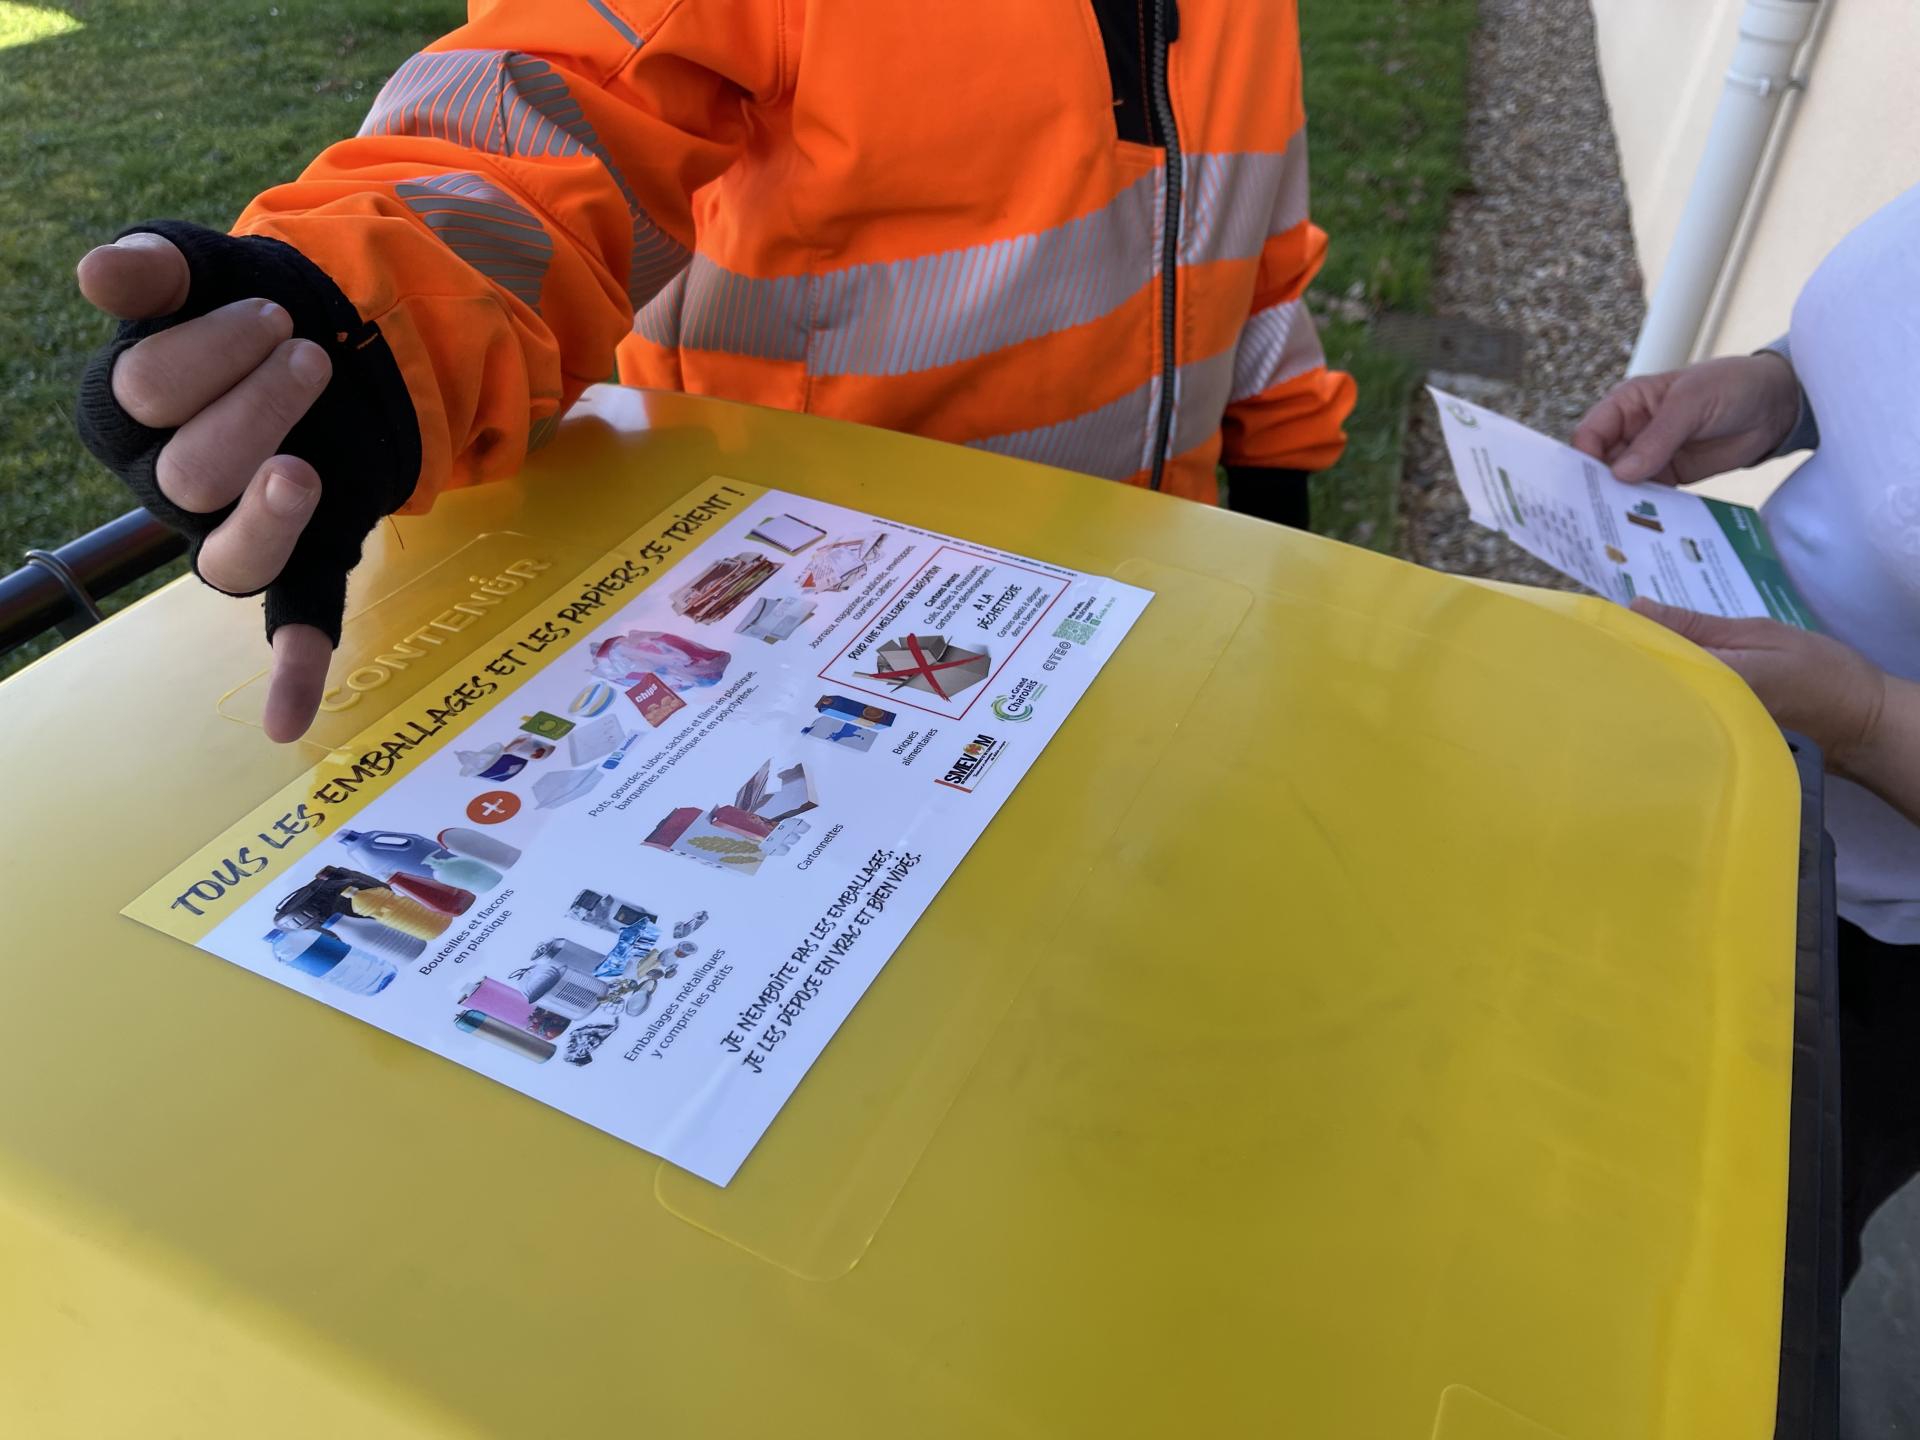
1077	631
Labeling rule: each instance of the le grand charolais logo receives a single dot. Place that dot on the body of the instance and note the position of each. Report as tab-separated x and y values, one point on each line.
1017	706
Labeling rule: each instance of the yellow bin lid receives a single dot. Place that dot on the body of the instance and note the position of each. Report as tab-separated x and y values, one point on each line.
1371	1017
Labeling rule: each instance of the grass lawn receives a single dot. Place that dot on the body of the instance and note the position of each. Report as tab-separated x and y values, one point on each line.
1386	111
112	111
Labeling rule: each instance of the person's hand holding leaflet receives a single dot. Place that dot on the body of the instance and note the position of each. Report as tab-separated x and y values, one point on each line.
1688	425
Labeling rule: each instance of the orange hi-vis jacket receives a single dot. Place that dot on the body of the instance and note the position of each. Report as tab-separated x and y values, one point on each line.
948	218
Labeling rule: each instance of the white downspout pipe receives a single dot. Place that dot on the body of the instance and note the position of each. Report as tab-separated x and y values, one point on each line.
1771	33
1743	239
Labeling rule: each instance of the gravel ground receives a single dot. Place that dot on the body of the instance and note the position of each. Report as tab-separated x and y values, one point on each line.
1541	246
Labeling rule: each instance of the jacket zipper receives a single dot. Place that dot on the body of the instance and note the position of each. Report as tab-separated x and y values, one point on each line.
1162	42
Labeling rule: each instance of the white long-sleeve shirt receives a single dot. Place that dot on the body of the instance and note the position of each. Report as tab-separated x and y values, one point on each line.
1847	522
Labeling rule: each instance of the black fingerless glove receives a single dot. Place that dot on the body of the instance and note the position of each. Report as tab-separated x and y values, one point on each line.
360	435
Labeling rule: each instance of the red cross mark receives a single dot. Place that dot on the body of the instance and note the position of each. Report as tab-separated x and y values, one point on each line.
923	669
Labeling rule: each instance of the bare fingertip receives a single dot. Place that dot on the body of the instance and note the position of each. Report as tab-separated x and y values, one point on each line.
286	727
309	363
288	495
95	268
292	703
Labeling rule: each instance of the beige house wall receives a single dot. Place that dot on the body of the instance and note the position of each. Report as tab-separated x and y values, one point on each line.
1853	145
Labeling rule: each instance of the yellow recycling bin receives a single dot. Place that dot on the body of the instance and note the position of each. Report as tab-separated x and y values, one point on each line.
1372	1016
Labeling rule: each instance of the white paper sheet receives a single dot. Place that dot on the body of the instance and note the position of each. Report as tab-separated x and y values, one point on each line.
1619	540
776	816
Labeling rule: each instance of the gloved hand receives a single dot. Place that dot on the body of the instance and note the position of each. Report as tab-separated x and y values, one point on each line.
245	403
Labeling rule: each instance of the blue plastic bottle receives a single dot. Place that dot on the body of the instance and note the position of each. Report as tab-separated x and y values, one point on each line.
326	956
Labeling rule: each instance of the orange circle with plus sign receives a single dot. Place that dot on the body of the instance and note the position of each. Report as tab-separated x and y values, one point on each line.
493	807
